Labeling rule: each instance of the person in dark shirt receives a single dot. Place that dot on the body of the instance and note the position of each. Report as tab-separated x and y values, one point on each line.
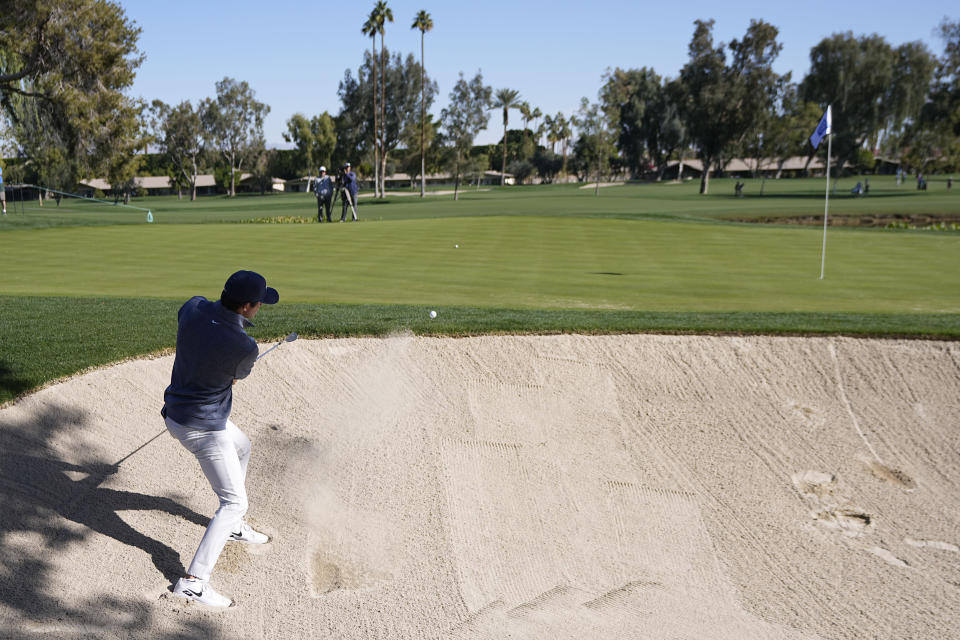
213	352
350	191
323	188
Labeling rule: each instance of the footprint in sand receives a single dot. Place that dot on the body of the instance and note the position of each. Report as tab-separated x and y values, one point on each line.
831	509
888	557
932	544
888	474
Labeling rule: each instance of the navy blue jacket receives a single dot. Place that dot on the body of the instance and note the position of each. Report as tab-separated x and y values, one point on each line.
213	349
350	182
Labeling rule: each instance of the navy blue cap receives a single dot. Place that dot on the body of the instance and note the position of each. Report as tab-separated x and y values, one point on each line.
250	286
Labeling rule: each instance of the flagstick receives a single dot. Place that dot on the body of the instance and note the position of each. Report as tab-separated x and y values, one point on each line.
826	206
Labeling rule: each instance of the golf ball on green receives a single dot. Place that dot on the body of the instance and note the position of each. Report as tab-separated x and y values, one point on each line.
433	314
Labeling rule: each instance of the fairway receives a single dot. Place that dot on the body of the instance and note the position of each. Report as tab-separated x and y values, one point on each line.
526	262
763	199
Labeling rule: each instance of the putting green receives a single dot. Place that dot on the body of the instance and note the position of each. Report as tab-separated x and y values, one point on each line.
519	262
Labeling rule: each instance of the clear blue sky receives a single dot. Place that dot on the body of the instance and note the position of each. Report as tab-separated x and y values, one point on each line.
294	53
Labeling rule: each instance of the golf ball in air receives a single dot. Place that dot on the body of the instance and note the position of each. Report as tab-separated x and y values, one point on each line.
433	314
456	246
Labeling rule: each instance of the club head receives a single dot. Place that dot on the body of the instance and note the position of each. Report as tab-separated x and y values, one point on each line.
290	338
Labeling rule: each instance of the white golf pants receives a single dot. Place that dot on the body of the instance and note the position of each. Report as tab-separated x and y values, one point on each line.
223	456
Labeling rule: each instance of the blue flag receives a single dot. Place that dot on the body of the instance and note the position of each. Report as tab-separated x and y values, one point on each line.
822	129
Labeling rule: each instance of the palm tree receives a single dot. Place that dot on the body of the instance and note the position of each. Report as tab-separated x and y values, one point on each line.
551	131
535	115
424	22
370	29
563	134
528	114
382	15
506	99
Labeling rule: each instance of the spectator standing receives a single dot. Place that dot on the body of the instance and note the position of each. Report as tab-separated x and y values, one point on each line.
323	188
349	190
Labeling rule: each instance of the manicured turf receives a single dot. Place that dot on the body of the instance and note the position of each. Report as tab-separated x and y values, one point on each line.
538	259
518	262
781	198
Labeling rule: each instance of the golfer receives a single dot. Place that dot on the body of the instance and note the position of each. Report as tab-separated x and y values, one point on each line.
213	352
3	193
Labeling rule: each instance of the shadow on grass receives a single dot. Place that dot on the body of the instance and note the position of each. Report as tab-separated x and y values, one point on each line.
42	500
841	193
12	385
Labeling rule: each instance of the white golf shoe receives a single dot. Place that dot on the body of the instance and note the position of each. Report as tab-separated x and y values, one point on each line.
200	591
249	535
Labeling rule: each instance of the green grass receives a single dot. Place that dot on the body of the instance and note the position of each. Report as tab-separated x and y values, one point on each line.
532	259
46	338
511	262
789	197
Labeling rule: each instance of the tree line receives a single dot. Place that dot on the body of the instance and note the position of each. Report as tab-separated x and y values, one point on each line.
62	82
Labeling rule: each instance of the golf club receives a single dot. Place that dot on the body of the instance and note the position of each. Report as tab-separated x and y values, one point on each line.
290	338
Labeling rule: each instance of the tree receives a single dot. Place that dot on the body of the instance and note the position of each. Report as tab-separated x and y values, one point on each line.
787	133
422	153
234	124
382	14
403	97
463	119
126	158
644	115
260	167
370	29
506	99
595	144
528	113
858	77
547	164
423	22
628	98
516	149
935	134
720	103
179	133
64	65
558	130
315	138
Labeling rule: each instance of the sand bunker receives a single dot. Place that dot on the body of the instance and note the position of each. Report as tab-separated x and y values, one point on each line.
523	487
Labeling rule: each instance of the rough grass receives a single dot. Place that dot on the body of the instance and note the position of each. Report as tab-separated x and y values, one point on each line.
46	338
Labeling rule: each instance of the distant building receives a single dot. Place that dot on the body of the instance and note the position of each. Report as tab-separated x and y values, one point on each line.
155	186
745	167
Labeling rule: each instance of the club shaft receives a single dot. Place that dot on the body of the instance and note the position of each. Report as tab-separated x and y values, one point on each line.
269	350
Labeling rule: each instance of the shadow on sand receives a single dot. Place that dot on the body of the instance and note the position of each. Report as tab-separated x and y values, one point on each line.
40	495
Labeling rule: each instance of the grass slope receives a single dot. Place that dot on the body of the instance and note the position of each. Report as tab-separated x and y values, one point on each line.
46	338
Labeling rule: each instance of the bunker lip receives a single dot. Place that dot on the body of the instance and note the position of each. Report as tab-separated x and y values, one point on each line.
669	485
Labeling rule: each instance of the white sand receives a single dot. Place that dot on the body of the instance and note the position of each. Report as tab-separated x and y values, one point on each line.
523	487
